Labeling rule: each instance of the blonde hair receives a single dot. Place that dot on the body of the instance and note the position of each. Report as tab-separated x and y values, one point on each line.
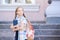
16	11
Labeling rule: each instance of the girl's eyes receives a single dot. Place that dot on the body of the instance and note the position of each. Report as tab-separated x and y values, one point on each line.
19	10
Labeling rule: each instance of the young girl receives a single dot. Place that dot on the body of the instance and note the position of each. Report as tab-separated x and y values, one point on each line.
22	24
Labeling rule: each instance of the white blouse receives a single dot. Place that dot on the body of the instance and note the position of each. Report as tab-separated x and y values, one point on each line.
21	34
21	19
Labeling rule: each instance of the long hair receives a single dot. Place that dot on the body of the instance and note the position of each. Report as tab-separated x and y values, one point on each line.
16	11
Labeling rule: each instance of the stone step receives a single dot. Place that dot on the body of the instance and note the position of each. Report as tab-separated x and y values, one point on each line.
35	26
4	26
6	38
47	26
47	32
53	20
36	38
42	33
49	38
50	26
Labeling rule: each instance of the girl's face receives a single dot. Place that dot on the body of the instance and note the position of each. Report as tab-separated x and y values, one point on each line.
19	11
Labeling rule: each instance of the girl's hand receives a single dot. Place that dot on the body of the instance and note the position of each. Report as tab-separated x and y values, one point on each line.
14	28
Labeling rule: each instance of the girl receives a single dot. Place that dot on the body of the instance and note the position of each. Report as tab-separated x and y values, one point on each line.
23	31
21	28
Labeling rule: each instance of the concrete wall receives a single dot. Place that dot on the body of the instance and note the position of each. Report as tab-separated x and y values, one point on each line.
43	5
33	16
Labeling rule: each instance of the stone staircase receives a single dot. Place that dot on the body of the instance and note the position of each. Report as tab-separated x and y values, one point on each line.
5	32
46	31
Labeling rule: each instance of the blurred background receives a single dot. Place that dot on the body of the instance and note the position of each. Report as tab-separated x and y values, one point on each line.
43	14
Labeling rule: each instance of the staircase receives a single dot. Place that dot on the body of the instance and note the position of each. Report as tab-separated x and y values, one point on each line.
5	32
45	31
